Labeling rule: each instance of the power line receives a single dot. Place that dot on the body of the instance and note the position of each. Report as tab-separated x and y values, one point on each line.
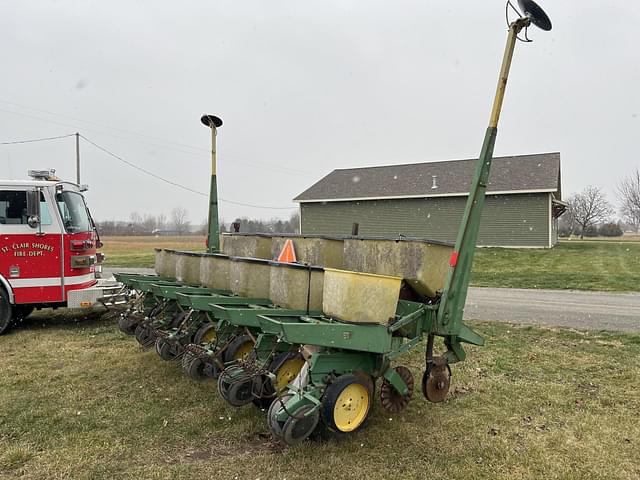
175	184
145	138
33	140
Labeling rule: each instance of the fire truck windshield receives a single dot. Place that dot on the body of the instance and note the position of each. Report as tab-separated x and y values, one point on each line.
73	212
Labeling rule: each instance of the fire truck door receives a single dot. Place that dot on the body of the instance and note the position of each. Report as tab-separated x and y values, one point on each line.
31	256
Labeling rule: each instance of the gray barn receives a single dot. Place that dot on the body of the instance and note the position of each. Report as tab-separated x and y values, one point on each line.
428	199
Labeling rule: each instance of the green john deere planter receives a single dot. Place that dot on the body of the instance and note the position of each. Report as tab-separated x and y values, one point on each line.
310	343
353	344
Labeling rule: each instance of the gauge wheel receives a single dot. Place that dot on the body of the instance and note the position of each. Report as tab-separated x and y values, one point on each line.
6	311
346	404
239	348
286	368
205	334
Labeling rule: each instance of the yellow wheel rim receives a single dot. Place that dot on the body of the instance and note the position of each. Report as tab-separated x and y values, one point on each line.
243	352
351	407
287	372
209	336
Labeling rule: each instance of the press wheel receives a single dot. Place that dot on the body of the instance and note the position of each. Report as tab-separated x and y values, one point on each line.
390	398
193	366
436	382
143	336
274	425
223	386
240	392
300	424
166	350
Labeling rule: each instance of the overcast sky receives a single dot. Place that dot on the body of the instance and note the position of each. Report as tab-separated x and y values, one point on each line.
305	87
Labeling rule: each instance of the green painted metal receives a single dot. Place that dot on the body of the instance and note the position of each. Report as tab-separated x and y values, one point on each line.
454	295
203	302
126	277
213	240
170	291
246	314
325	332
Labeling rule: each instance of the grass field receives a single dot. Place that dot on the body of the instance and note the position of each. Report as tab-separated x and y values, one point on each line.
580	265
139	251
79	400
574	264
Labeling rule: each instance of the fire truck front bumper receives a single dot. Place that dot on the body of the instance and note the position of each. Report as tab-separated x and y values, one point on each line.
105	292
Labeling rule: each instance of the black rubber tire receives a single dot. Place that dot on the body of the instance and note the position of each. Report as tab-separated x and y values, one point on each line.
235	345
330	398
166	350
202	331
6	312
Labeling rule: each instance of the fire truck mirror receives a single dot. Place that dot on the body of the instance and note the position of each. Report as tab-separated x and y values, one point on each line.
33	208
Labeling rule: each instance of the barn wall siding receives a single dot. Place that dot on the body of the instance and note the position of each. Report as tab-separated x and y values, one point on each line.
507	220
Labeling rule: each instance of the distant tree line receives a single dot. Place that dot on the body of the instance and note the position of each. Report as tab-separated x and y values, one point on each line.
177	223
275	225
589	213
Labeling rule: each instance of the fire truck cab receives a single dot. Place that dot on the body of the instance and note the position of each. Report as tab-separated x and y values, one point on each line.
48	248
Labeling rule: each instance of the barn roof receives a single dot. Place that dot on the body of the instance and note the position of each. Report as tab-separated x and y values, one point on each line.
516	174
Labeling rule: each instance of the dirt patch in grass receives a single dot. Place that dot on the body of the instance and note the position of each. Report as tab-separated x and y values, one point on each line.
80	400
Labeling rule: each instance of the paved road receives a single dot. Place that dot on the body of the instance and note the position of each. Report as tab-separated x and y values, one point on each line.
564	308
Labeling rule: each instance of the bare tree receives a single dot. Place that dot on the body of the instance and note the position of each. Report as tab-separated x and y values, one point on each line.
628	191
589	207
135	220
180	220
161	221
149	223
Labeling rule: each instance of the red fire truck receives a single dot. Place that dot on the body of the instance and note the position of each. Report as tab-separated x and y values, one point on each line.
48	244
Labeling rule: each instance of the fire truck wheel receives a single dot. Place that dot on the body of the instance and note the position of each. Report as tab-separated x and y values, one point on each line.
5	312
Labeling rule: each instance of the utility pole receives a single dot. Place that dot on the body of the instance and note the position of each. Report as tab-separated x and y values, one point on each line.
78	158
